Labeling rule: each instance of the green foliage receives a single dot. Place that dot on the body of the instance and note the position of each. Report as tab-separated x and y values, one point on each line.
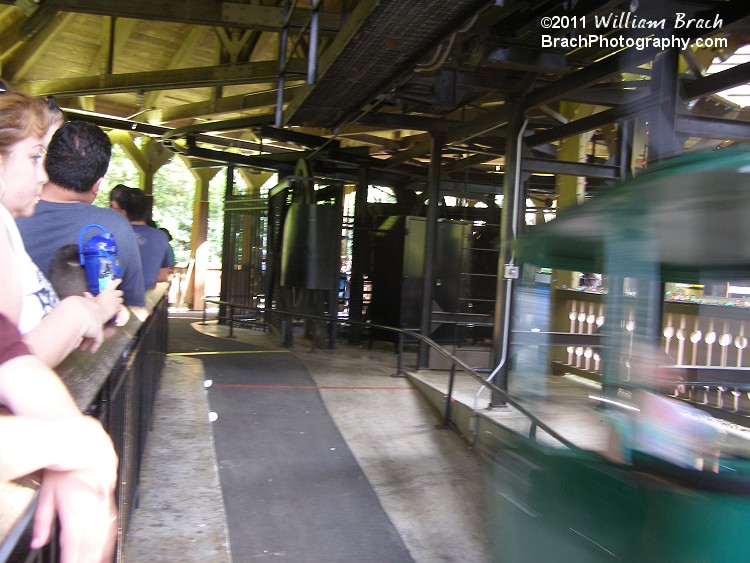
174	193
174	190
121	171
215	237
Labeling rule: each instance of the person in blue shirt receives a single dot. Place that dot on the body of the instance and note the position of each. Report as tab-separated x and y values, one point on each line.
172	259
152	243
76	162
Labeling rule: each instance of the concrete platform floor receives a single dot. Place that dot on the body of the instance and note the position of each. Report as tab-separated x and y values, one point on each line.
429	481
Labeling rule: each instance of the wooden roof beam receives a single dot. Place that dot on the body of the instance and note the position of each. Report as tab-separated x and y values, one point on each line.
223	75
251	15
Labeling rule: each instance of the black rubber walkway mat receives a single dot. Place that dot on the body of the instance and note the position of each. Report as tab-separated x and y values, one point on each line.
293	491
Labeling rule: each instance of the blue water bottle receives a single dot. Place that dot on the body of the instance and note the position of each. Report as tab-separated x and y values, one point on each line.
98	256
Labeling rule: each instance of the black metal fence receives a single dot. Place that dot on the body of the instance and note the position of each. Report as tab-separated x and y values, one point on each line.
126	407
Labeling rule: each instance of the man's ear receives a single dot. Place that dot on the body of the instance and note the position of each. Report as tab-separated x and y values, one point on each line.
95	187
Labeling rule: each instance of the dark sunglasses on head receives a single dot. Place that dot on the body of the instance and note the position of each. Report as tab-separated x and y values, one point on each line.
49	100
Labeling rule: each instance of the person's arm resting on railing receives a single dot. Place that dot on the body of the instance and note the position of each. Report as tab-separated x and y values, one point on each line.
45	430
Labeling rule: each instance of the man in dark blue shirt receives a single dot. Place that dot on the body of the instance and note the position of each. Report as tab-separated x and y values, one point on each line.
77	159
152	243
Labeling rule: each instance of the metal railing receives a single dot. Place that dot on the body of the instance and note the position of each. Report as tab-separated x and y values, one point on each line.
406	334
257	321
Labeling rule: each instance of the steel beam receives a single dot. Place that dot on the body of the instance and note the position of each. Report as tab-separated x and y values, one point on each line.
579	80
411	122
304	139
236	159
584	169
713	83
614	115
164	132
713	128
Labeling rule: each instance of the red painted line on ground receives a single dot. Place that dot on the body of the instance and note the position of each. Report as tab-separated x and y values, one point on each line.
316	387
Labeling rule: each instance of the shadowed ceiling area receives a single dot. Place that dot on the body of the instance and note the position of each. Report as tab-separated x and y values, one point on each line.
380	84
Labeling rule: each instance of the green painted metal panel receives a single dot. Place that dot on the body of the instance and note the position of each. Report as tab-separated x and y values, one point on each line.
561	505
695	208
687	219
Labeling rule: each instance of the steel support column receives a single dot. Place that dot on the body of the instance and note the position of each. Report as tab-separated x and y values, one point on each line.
227	245
512	213
663	141
312	55
433	188
283	38
360	257
626	148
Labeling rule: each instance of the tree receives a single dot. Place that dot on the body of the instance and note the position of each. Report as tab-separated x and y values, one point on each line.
173	191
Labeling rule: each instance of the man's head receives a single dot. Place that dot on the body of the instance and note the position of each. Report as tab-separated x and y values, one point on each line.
66	274
135	204
116	195
77	157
